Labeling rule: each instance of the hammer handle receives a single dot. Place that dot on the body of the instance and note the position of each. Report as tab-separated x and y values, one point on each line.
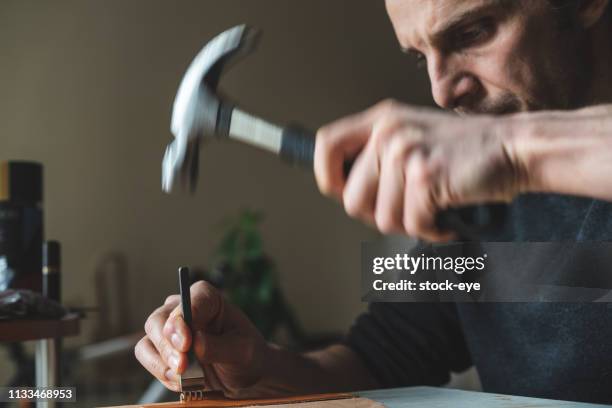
469	222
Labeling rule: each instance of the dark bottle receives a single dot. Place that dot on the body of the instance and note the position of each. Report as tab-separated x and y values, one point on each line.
21	225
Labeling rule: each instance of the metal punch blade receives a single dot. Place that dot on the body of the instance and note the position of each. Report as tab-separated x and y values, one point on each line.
191	382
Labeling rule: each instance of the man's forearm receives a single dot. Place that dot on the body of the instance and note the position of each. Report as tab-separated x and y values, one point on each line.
334	369
566	152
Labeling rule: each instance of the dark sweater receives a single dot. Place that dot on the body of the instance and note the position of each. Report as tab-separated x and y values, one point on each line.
547	350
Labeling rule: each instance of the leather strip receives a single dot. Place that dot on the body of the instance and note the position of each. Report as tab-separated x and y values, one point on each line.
226	403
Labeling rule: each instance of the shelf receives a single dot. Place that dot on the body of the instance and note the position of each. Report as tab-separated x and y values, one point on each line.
25	329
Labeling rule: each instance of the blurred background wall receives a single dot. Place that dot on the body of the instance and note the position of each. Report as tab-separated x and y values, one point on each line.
87	88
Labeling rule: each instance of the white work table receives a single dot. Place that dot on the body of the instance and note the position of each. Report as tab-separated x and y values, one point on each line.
432	397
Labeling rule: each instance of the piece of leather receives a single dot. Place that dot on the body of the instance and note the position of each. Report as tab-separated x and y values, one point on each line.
356	402
335	400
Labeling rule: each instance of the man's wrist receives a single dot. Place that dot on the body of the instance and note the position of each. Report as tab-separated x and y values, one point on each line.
546	145
517	133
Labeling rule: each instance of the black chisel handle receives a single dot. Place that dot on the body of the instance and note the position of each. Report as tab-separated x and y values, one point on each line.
184	284
470	222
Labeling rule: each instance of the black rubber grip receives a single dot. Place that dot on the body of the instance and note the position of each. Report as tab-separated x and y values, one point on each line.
470	223
297	146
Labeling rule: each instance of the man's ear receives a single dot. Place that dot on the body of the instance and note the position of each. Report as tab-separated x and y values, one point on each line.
590	11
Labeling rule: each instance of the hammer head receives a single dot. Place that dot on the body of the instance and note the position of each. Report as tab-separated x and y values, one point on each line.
197	106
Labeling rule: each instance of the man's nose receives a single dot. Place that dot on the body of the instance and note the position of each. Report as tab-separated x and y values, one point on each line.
451	85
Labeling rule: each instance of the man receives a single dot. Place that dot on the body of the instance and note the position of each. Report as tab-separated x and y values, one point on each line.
484	57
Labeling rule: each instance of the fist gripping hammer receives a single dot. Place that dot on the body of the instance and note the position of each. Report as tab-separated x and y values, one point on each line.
199	113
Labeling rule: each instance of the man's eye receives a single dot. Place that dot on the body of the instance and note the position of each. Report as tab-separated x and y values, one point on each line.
419	58
470	35
474	34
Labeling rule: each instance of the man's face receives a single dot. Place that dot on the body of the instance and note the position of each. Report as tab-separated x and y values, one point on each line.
493	56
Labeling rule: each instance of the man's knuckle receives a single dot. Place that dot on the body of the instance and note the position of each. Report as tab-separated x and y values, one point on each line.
417	135
384	222
410	225
208	300
171	299
148	326
397	150
158	316
322	144
383	132
138	349
424	177
388	130
325	186
351	208
388	104
327	145
420	175
323	135
322	173
201	288
416	223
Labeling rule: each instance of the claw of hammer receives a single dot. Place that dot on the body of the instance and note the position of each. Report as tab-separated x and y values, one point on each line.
200	113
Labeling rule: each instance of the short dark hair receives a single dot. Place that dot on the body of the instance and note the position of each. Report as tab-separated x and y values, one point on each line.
566	9
560	4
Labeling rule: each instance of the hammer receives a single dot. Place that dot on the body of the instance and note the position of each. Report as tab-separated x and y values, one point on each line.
200	113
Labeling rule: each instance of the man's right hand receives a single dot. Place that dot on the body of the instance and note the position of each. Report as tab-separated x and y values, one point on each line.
227	345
